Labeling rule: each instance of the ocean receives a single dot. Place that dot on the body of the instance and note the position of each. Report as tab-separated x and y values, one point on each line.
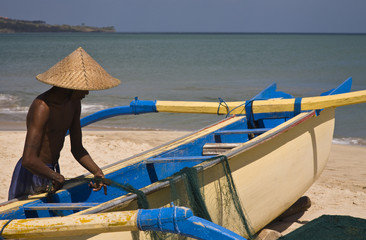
196	67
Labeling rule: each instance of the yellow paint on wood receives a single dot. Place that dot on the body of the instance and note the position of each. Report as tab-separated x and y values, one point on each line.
71	225
263	106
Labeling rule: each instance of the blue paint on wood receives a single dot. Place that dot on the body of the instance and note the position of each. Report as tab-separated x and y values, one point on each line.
135	107
297	106
152	172
180	220
244	131
342	88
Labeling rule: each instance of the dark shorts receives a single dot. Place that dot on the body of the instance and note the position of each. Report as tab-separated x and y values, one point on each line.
24	183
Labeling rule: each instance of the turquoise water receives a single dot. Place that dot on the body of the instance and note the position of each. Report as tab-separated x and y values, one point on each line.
197	67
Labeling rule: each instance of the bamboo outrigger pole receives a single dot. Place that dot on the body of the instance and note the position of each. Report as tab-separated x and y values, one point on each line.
178	220
257	106
70	226
263	106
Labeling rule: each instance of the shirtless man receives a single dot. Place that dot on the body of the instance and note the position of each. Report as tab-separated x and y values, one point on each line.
50	116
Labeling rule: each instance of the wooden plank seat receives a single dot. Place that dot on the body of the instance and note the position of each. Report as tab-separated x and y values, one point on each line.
217	148
244	131
60	206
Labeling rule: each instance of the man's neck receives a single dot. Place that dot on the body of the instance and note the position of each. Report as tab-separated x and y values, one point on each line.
60	95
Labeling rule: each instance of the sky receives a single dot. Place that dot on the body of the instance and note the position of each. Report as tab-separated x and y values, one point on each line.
274	16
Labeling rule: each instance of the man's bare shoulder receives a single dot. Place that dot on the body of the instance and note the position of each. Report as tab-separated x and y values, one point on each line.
38	112
39	104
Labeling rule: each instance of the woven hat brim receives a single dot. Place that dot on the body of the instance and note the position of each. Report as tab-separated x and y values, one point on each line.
70	78
78	71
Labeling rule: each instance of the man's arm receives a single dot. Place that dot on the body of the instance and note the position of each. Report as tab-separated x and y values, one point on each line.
80	153
36	122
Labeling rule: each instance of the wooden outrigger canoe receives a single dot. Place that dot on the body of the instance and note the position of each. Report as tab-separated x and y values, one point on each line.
274	157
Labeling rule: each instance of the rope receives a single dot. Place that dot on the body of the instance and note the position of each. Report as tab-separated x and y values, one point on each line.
237	107
297	106
106	181
249	113
141	197
246	103
226	106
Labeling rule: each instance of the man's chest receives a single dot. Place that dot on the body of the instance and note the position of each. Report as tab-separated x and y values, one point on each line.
61	118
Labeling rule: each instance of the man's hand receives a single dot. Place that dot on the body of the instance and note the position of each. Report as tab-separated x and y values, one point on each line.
98	183
57	184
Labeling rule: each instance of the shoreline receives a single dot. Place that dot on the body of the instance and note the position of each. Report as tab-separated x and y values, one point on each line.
340	190
7	126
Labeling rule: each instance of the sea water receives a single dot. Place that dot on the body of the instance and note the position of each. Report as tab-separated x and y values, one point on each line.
192	67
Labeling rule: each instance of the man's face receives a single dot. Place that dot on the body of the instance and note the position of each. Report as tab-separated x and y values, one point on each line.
79	94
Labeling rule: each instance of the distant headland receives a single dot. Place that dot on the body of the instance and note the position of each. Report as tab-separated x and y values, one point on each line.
8	25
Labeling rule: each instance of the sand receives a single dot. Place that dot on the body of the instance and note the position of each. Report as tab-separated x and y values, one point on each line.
341	189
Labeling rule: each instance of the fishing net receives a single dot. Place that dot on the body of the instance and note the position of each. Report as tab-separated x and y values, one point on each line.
330	227
211	196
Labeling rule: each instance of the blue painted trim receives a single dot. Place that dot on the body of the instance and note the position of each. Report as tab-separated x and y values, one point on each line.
143	106
180	220
174	159
57	206
249	114
243	131
271	92
135	107
344	87
150	167
105	113
267	93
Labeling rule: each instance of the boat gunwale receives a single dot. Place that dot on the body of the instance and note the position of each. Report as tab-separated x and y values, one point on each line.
271	133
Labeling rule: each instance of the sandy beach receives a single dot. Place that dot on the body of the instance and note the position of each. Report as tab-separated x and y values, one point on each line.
341	189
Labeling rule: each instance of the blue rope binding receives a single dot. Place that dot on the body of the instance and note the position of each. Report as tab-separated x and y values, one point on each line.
226	106
297	106
249	113
2	229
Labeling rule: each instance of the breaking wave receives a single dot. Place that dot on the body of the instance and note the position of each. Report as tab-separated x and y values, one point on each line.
350	141
10	104
87	108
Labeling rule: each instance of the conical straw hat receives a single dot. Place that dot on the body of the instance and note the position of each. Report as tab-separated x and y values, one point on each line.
78	71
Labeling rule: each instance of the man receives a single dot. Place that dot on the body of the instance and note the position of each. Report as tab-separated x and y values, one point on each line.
50	116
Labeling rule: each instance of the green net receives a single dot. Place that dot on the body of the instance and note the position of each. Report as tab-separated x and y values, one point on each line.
211	196
210	193
330	227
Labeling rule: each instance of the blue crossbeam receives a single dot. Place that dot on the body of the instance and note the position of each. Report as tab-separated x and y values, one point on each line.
175	159
59	206
244	131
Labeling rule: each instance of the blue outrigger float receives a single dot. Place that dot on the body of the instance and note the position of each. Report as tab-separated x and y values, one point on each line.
274	145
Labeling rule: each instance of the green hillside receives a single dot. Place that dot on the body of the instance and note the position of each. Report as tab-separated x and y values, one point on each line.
12	25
